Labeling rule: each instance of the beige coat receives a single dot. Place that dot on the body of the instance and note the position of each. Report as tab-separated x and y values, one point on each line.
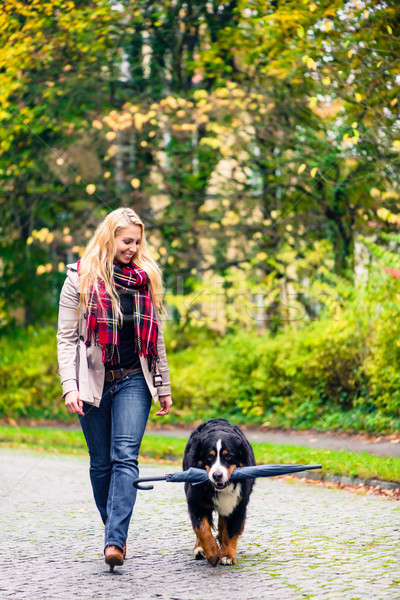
80	366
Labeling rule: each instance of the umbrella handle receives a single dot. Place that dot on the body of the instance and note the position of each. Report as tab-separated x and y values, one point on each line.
136	482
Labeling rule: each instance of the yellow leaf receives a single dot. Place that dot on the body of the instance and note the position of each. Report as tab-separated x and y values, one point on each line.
135	183
326	80
354	125
313	172
393	102
328	26
300	31
311	64
313	6
390	30
378	64
301	168
374	193
90	189
358	97
396	145
350	53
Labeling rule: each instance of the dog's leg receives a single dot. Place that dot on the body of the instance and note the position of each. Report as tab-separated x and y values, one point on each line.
206	541
229	535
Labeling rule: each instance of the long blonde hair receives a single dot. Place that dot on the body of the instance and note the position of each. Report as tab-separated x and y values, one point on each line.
97	261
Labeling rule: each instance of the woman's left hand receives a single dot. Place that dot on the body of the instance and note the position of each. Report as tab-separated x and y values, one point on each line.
166	403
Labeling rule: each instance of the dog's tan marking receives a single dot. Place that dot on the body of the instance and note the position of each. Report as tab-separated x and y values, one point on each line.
212	452
230	470
224	452
228	545
206	540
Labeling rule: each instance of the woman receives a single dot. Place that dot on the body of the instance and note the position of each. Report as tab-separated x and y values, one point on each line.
112	360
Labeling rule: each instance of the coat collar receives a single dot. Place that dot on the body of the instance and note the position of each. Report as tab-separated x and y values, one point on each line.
73	266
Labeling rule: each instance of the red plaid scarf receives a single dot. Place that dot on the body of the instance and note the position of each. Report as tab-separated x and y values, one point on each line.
102	321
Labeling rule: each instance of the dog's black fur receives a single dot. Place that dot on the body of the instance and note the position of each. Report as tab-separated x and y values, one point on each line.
219	447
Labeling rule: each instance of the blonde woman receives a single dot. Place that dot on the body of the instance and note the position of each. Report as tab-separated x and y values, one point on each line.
112	361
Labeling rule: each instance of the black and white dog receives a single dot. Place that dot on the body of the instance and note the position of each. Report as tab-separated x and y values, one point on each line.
219	447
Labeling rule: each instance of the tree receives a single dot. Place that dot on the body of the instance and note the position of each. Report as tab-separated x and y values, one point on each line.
56	63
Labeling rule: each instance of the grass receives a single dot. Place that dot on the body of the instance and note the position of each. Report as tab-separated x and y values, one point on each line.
156	447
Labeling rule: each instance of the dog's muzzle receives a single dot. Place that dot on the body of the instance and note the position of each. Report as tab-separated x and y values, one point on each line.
217	479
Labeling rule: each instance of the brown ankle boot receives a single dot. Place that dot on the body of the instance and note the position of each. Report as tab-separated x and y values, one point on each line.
113	556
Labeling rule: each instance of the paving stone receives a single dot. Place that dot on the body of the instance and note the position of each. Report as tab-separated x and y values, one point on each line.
300	541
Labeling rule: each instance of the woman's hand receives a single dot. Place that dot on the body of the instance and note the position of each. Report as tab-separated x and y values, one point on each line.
73	404
166	403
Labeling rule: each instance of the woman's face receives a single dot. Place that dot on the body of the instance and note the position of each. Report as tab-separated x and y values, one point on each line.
127	242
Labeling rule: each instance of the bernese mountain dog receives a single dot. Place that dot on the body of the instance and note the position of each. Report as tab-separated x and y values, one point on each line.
219	447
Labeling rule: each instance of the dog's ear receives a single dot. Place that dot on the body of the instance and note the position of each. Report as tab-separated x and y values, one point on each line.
193	453
243	453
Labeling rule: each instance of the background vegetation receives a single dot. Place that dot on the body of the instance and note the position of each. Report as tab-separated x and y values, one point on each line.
170	450
260	143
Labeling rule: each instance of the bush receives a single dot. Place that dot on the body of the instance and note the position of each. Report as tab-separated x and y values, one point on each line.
28	371
331	374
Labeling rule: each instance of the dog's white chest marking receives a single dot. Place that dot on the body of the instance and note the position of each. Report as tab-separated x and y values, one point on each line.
226	500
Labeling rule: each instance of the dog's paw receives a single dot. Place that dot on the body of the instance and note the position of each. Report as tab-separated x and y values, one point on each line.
214	559
199	553
227	560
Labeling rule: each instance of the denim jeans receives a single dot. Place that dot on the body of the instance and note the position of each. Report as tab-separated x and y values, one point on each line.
113	434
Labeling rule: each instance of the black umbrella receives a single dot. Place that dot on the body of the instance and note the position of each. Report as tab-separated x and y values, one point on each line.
196	476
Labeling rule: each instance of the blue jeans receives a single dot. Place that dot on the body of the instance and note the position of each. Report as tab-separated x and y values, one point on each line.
113	434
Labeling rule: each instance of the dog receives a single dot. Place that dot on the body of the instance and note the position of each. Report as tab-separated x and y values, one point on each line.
218	447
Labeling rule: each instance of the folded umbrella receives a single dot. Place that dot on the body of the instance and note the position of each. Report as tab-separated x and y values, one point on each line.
197	476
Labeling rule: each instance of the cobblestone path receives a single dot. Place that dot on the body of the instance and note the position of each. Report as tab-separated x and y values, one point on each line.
300	541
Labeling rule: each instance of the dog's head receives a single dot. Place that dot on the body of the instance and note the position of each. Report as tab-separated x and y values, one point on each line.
219	454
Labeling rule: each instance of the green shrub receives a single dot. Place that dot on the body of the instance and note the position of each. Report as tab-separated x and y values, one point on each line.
28	372
339	373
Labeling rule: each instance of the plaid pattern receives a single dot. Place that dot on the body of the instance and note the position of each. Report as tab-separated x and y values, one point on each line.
102	321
